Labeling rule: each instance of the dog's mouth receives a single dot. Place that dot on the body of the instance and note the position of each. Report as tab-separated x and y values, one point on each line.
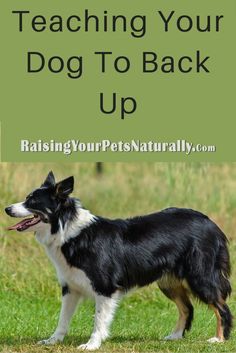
26	223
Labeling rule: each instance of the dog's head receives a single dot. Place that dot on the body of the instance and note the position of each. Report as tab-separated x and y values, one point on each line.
43	205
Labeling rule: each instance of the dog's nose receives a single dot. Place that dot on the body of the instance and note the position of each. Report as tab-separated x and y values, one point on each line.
8	210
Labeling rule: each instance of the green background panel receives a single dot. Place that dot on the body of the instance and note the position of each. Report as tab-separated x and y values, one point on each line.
197	107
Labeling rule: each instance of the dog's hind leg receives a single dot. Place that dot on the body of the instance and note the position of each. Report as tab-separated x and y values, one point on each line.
211	293
219	328
224	322
105	309
213	290
69	302
180	297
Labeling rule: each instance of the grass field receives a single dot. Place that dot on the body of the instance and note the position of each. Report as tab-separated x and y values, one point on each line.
30	295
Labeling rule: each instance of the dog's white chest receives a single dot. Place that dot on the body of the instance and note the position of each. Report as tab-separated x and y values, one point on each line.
75	278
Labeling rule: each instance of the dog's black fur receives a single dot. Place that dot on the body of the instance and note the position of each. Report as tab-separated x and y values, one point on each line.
121	254
140	250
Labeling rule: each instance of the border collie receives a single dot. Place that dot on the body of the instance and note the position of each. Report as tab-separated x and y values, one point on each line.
181	249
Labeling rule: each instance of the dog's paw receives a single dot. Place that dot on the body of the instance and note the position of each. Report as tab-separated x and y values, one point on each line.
50	341
215	340
174	336
89	346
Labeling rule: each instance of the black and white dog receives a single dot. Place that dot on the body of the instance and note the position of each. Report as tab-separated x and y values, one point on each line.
181	249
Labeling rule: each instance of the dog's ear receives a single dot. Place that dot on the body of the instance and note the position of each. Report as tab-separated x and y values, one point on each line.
65	187
50	180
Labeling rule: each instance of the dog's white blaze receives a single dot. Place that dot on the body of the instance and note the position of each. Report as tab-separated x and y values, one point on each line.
19	210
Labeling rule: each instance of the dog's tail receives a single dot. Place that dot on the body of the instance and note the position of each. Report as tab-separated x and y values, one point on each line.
223	264
209	277
222	270
225	289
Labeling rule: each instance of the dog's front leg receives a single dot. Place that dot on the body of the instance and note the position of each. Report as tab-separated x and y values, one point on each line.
69	302
105	309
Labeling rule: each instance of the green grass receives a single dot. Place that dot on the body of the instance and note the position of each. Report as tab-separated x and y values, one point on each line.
30	295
